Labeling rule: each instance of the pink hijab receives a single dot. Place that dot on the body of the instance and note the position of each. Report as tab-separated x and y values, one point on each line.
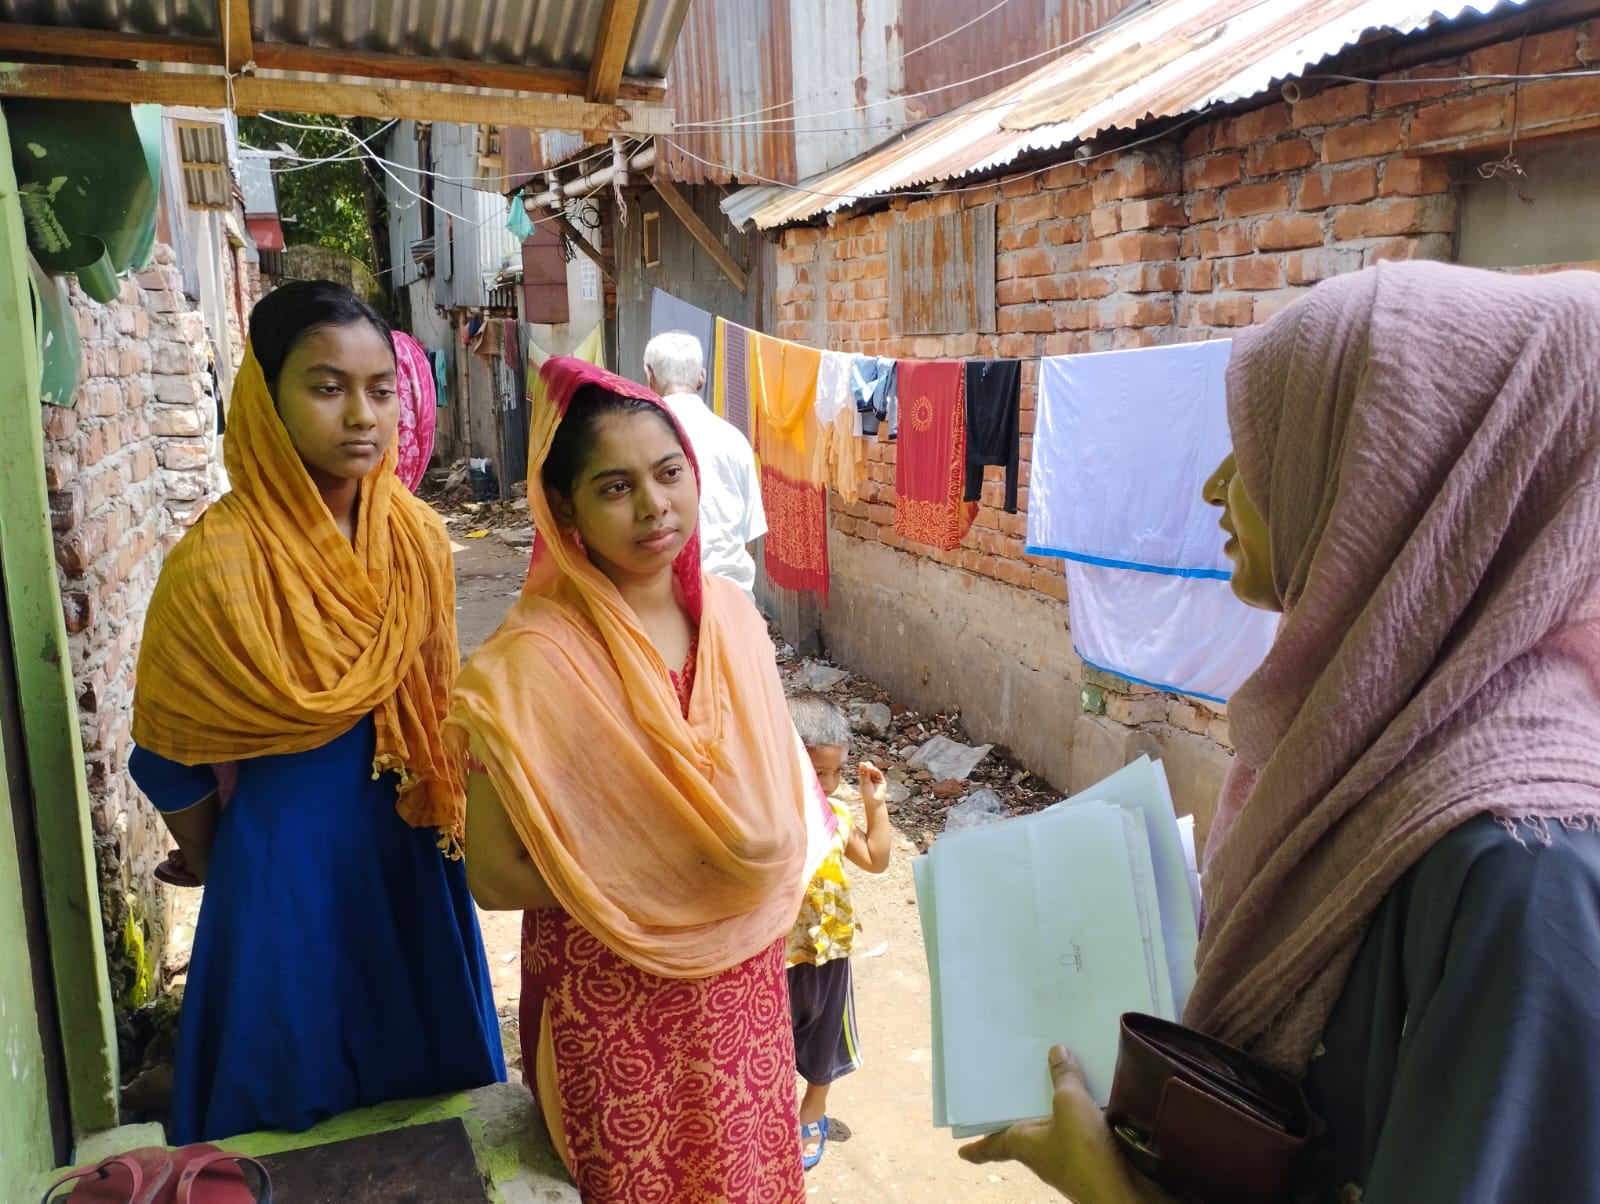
1423	441
417	403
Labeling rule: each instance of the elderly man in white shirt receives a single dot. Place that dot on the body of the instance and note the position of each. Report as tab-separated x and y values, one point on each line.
731	517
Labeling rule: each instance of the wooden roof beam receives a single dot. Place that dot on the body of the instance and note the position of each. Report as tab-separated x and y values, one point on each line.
610	56
233	23
254	93
65	41
467	73
69	42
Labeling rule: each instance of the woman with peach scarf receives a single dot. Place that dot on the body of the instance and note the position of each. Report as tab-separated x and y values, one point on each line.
636	787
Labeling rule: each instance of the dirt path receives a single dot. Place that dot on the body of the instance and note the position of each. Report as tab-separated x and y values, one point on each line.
892	1152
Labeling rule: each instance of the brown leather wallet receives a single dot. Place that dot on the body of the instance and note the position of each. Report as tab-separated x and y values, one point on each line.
1206	1121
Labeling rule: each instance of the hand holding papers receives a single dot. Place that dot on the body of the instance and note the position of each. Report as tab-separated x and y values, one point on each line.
1044	930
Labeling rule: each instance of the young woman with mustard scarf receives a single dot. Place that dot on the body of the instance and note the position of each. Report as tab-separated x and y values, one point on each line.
296	660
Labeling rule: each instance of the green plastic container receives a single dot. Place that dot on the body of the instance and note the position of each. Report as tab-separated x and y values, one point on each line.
90	179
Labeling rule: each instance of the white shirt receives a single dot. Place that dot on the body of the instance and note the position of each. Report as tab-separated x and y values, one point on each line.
730	491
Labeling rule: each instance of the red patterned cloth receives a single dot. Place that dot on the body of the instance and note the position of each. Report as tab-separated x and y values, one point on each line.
931	454
796	547
672	1089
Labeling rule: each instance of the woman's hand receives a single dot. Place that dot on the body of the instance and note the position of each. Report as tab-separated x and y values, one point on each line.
1073	1151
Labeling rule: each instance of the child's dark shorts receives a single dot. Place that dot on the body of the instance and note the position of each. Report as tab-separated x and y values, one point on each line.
822	1008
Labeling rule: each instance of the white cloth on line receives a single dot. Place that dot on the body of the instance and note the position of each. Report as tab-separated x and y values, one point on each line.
731	514
1188	635
833	385
1123	443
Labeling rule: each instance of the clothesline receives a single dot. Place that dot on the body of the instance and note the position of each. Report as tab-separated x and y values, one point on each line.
1121	439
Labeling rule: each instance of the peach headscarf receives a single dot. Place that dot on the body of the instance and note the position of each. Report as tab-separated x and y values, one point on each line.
1423	442
270	633
679	843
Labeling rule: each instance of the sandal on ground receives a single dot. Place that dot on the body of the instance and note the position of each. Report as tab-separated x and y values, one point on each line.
174	871
817	1130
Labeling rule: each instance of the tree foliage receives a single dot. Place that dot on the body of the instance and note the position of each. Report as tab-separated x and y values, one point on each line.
323	204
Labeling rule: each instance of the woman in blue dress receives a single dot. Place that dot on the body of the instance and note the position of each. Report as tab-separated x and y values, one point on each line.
296	660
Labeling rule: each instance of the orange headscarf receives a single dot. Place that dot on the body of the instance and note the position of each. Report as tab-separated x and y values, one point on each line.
682	844
269	633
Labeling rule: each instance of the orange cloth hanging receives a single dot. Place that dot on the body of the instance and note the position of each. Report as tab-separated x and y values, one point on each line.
783	379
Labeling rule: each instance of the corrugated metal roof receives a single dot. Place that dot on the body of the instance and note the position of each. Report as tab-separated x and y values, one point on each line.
1177	57
549	33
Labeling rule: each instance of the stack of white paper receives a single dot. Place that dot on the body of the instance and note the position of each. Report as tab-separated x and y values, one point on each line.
1045	929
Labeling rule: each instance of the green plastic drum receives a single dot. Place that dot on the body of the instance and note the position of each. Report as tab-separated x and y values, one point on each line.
89	174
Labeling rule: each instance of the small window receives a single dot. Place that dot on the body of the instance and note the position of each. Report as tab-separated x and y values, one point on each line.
650	236
1548	217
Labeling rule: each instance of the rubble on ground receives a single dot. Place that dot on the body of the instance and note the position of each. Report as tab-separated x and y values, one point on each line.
448	490
936	775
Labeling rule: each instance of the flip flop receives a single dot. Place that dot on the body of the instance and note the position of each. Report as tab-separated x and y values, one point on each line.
174	871
816	1129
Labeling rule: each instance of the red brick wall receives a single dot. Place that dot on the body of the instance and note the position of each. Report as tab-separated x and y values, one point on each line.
129	468
1209	230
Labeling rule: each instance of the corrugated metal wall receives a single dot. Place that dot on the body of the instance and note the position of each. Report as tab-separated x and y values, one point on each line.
405	210
842	75
1015	32
733	57
685	271
471	242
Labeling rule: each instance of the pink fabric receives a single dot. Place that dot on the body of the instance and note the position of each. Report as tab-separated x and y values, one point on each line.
1424	443
417	405
562	376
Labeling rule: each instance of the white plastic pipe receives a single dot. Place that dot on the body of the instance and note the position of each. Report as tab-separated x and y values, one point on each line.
584	185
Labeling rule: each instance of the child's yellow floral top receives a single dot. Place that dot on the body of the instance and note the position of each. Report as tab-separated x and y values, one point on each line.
826	928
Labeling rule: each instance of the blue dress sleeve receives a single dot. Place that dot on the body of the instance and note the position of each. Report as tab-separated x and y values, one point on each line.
169	785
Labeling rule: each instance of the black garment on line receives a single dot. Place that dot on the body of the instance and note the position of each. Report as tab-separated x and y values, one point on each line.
994	430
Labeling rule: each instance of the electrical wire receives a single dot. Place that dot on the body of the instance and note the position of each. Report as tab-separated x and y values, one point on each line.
1490	77
874	70
738	122
933	192
1486	77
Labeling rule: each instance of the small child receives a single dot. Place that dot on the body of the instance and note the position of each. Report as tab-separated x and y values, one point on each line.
821	999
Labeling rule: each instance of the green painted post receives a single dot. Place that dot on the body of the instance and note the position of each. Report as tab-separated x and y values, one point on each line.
27	1146
45	689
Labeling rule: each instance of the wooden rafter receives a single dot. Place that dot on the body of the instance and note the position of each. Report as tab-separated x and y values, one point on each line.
679	204
64	42
617	23
253	94
233	23
586	248
61	41
510	77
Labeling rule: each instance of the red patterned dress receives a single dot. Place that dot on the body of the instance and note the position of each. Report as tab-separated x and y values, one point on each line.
661	1090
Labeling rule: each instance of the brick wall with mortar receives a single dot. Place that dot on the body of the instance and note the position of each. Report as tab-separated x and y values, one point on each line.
129	468
1217	227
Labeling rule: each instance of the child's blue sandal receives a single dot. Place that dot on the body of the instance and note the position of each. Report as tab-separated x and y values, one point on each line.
817	1130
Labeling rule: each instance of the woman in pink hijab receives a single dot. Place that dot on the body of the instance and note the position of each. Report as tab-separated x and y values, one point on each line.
1402	887
417	403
